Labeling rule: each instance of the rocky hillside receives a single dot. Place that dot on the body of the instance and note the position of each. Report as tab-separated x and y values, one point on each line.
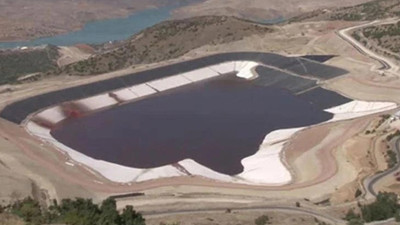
383	39
27	19
260	10
165	41
377	9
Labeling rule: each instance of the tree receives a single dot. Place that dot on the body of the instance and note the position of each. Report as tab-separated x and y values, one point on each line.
131	217
78	212
29	210
383	208
109	214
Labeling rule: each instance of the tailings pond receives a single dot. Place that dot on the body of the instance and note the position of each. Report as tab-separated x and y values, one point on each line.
217	123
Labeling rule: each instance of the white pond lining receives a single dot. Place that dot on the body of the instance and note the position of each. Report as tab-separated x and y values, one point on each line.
264	167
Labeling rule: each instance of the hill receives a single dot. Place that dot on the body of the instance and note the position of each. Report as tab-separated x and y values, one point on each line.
27	19
17	63
260	10
164	41
377	9
383	39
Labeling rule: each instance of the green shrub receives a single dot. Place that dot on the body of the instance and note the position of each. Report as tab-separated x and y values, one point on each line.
262	220
76	212
383	208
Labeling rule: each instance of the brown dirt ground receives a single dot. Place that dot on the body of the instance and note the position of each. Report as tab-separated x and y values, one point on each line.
31	160
233	218
8	219
260	9
72	54
26	20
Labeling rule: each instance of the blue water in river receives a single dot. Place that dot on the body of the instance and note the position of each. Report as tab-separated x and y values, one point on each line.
104	30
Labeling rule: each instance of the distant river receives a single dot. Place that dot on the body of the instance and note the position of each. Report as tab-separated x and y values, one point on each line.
104	30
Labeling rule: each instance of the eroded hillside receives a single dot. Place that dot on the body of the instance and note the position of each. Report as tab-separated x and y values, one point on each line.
261	9
377	9
167	40
383	39
25	19
14	64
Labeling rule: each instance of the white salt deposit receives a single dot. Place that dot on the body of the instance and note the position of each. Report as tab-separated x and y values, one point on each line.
195	168
169	83
125	94
53	115
266	167
159	172
358	108
239	65
142	90
98	102
200	74
246	71
223	68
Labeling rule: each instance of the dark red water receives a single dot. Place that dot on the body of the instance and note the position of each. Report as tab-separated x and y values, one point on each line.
217	123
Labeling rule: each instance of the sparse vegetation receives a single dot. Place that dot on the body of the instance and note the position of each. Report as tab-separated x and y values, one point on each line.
383	36
165	41
356	221
351	215
10	219
377	9
17	63
384	207
262	220
391	158
392	135
75	212
319	222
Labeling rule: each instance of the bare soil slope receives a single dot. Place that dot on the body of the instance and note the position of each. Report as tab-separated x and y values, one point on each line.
261	9
165	41
382	39
371	10
26	19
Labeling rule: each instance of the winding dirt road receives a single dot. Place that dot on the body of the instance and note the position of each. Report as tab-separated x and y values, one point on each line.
388	66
